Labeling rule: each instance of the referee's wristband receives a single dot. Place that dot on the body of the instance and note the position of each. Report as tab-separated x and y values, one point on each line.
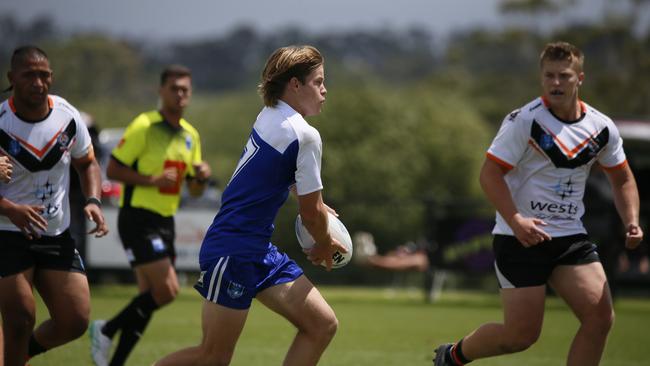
93	200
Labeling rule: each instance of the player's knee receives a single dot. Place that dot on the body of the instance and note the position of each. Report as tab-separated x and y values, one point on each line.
600	322
18	323
326	328
165	294
77	326
520	341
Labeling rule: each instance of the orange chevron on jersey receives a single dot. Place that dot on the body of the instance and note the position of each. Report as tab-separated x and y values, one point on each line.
41	152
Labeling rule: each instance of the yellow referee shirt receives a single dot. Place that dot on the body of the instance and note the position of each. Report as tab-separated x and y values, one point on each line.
149	145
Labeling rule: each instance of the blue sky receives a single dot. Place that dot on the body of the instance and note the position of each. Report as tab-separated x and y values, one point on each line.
167	19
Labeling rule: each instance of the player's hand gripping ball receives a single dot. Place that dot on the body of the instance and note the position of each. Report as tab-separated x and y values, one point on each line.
338	232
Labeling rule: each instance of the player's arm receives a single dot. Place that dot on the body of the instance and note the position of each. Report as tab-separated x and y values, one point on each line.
626	199
91	185
313	213
27	218
494	185
116	170
197	183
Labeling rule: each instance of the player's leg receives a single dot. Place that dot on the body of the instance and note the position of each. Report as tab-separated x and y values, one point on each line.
17	304
302	304
18	315
158	286
148	240
522	274
523	314
222	327
585	290
67	297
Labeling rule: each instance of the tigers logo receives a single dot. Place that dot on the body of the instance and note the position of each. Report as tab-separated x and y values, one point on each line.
63	141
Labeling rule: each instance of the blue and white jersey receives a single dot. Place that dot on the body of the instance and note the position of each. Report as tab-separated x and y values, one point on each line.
282	150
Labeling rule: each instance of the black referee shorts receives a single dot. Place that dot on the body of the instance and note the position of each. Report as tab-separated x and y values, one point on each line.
518	266
146	236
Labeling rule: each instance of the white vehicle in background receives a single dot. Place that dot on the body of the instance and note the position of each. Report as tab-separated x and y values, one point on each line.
192	219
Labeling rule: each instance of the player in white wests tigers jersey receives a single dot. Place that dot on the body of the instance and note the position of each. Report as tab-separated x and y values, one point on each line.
42	134
535	175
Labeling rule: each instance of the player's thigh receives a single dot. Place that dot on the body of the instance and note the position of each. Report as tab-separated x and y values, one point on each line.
65	293
222	327
158	274
584	287
16	296
299	301
523	309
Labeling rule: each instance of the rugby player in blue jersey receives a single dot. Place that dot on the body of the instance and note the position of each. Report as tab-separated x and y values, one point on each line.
238	261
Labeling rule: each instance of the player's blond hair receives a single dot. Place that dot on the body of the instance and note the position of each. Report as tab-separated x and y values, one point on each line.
284	64
562	51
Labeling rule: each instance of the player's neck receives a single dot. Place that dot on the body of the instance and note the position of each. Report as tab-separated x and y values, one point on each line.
172	116
570	111
29	113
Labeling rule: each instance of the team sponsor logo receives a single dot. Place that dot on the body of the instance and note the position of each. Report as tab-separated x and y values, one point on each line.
546	141
14	147
564	188
554	208
188	142
199	282
235	290
513	115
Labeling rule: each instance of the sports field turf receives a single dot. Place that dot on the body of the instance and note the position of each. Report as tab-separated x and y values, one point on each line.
377	328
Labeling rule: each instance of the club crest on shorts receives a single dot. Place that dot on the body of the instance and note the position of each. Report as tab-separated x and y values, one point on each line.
235	290
546	141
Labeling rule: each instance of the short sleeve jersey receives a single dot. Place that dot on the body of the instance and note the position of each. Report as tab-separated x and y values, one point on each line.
41	153
549	162
150	145
282	150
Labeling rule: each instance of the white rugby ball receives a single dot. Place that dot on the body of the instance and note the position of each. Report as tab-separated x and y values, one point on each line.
338	232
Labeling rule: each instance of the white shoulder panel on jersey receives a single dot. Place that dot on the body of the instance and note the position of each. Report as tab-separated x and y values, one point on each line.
275	128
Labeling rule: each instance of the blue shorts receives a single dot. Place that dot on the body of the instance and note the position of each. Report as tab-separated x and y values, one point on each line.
234	281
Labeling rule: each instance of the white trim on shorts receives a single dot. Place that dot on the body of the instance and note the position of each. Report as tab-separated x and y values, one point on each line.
503	281
213	292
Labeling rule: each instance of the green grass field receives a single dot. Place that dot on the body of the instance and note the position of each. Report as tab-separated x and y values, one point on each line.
377	328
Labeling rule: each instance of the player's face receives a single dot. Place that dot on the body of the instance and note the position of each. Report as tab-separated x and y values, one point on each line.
175	93
311	94
560	82
31	81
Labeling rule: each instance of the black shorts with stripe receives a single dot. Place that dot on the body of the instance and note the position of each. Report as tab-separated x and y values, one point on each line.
17	253
518	266
146	236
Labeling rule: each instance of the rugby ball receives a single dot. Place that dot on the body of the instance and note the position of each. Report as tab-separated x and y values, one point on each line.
338	232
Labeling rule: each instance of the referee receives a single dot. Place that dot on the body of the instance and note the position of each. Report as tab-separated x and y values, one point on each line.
158	151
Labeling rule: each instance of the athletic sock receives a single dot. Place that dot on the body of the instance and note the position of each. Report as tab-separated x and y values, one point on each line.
455	355
144	302
35	348
133	329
